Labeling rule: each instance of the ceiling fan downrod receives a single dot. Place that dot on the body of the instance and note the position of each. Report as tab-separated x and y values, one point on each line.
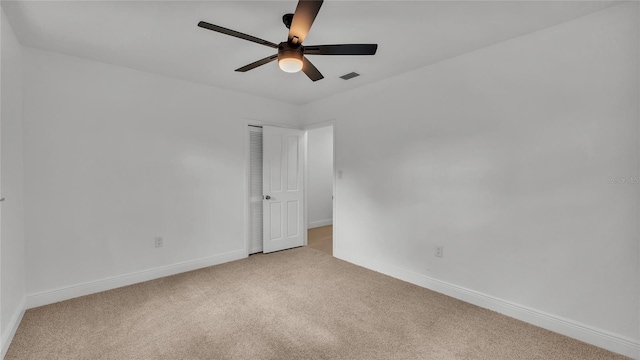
287	19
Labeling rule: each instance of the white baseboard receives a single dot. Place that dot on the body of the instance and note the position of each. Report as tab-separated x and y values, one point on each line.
601	338
318	223
69	292
7	337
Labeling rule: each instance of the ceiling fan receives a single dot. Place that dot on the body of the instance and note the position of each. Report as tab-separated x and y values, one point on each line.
291	53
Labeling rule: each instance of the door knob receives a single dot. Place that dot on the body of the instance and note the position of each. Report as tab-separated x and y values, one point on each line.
267	197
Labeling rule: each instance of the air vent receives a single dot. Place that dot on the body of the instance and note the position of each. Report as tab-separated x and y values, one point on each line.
350	75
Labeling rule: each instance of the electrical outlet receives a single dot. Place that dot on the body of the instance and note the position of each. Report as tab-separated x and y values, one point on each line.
159	241
439	251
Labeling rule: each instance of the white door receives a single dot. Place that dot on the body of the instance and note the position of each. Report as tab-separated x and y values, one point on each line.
282	174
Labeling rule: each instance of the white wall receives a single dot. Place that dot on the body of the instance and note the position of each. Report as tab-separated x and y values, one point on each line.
115	157
509	157
320	176
12	247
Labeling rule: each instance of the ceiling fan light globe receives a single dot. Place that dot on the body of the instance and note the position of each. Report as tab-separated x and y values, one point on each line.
290	65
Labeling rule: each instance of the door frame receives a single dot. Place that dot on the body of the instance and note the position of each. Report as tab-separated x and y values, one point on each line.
247	158
306	128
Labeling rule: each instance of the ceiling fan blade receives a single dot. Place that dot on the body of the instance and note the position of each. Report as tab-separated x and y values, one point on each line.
237	34
344	49
306	12
255	64
311	71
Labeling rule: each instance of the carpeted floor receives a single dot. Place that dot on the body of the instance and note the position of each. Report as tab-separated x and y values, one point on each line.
294	304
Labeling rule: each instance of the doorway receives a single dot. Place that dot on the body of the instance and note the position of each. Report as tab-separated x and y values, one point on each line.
320	188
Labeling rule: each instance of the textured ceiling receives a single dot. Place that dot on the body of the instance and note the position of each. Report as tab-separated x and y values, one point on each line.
162	37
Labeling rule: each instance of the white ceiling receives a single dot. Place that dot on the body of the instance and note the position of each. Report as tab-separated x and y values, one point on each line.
162	37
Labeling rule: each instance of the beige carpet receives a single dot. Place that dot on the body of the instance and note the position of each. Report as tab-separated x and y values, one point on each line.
321	238
295	304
